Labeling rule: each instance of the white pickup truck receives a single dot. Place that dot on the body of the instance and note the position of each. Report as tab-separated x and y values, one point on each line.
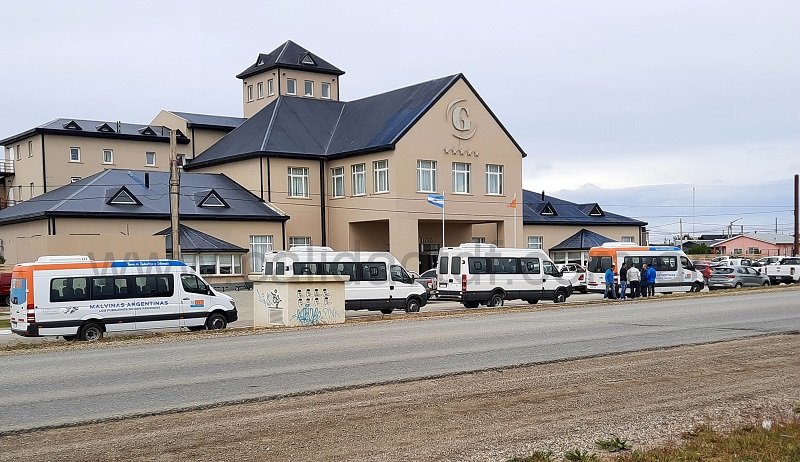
787	270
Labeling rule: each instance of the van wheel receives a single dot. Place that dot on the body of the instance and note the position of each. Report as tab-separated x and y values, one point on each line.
216	321
532	302
765	284
91	332
696	287
496	300
738	285
196	328
560	297
412	305
7	300
386	310
470	304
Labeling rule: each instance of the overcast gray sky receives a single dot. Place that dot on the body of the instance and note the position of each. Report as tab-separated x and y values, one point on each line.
659	110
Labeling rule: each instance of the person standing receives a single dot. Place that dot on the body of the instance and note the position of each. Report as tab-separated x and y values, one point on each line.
651	280
610	284
643	282
633	280
623	281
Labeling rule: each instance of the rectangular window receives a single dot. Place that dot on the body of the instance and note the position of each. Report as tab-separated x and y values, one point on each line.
479	240
208	264
535	242
74	154
461	178
150	159
12	153
359	179
298	182
494	179
19	153
31	186
373	271
259	245
108	156
337	182
249	93
260	90
270	87
326	90
309	88
750	250
291	86
30	148
294	241
426	176
737	251
381	171
628	239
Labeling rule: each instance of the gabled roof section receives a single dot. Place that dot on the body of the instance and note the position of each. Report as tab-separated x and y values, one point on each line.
305	127
104	127
89	198
582	240
592	210
210	121
546	208
767	238
567	212
147	131
193	240
290	56
121	196
115	130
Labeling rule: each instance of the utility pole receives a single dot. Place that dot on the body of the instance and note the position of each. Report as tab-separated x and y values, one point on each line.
174	195
796	206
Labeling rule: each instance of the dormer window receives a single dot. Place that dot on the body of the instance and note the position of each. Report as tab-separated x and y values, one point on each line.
548	210
212	199
72	125
105	128
147	131
596	212
307	59
123	197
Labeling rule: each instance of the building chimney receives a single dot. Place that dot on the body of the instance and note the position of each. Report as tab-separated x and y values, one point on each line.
542	195
147	180
119	126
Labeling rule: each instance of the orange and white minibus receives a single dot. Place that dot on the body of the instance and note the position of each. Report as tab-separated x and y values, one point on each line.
75	297
674	271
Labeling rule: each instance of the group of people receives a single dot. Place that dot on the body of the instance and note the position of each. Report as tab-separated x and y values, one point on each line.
642	283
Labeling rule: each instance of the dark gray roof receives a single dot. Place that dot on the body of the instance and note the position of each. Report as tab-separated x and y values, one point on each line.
582	240
304	127
193	240
99	129
567	213
291	56
210	121
91	197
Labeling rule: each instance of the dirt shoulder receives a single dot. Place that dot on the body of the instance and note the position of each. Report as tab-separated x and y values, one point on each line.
645	398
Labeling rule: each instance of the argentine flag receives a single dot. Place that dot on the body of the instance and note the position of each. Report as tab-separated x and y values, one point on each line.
436	199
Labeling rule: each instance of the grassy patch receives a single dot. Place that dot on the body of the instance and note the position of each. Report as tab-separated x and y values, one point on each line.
5	324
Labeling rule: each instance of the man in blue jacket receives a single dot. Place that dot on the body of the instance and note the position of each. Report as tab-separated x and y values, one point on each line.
651	281
610	284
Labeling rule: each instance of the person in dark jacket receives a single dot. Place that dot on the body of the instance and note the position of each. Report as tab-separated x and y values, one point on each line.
623	281
643	283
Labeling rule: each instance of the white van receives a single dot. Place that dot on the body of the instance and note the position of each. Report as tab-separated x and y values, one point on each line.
377	279
73	296
674	271
477	274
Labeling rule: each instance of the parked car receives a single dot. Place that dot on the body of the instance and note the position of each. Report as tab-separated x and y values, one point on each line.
5	289
735	277
577	275
786	271
705	268
428	281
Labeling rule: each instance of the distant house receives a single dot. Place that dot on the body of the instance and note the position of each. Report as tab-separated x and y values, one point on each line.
756	244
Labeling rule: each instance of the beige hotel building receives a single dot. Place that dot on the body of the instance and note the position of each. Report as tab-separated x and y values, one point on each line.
301	167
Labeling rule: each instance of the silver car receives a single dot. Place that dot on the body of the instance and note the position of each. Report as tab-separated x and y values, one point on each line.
735	277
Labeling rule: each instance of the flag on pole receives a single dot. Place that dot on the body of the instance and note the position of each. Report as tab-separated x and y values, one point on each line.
513	203
436	199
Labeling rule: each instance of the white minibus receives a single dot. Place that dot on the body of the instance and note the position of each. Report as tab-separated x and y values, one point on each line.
485	274
674	271
377	279
75	297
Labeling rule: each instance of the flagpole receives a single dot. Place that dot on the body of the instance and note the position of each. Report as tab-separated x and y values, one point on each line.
442	219
515	223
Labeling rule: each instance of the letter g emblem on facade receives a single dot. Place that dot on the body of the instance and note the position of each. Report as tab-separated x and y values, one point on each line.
459	115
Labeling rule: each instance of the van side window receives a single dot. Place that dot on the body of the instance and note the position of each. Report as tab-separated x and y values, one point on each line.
279	268
341	269
399	273
455	265
686	264
68	289
477	265
504	265
193	284
104	288
154	286
548	267
443	266
268	268
373	271
530	266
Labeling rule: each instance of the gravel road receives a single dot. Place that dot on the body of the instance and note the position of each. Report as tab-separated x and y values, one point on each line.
645	398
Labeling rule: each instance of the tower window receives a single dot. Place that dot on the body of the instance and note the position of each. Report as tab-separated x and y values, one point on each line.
291	86
326	90
309	88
